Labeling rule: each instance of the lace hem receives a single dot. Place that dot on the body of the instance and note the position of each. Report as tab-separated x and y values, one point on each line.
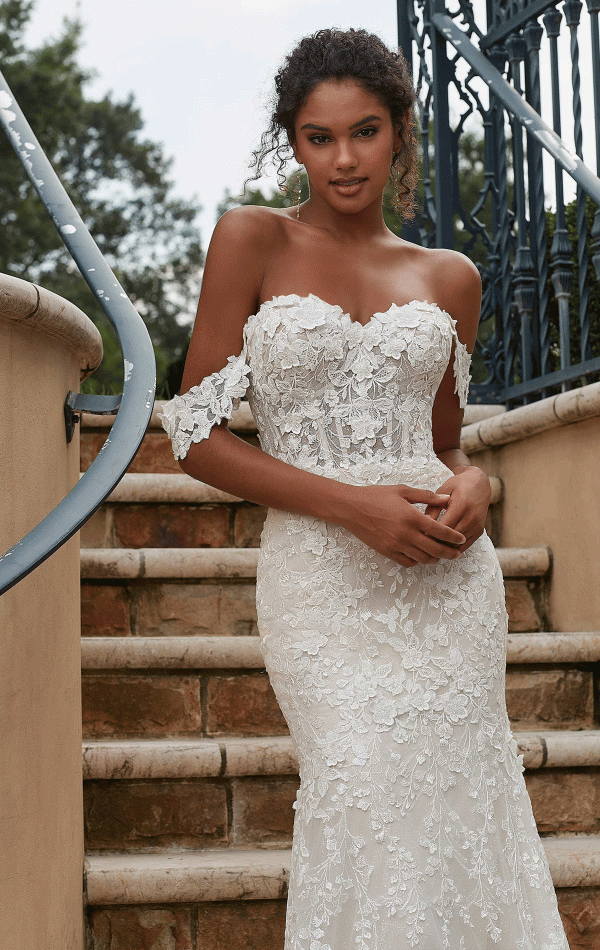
191	417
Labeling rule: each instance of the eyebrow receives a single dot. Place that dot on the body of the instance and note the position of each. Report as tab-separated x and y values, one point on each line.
355	125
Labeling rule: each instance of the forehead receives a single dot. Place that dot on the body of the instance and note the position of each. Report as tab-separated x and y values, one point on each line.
340	103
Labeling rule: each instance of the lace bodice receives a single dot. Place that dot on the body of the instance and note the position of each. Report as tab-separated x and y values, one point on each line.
331	395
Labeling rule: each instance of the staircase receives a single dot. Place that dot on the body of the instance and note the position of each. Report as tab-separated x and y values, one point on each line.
189	771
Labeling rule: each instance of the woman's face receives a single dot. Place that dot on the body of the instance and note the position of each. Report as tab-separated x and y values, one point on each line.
345	139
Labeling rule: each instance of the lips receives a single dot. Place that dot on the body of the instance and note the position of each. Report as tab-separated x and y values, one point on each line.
348	187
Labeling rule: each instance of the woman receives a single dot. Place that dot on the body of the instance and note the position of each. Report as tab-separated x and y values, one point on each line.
380	599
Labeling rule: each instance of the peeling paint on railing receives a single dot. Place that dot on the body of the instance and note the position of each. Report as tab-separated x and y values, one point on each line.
139	366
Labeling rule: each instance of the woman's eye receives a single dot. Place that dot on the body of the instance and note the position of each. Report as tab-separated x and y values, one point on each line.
318	139
366	133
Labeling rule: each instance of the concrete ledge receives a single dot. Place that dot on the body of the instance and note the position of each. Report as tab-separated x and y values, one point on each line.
259	875
243	652
525	421
115	759
127	563
130	563
181	489
28	305
556	749
183	878
524	562
113	653
242	420
553	647
190	758
167	489
574	861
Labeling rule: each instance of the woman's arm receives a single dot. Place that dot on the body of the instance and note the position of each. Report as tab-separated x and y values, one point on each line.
384	517
469	487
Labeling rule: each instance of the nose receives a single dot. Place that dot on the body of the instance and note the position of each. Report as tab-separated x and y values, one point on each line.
345	155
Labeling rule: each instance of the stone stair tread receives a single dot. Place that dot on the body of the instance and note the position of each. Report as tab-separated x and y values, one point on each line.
166	488
256	874
206	652
227	874
125	759
120	563
191	652
188	758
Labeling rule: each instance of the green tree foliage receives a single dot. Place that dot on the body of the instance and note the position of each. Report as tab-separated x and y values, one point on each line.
119	182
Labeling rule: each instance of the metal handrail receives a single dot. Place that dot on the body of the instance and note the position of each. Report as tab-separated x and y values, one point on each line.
518	107
138	358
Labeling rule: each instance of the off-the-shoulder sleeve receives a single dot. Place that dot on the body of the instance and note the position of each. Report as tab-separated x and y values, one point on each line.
462	365
190	418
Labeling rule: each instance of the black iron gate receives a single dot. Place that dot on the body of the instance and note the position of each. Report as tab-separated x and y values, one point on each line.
484	73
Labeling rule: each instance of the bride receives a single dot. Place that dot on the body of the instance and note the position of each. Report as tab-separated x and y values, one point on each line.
379	595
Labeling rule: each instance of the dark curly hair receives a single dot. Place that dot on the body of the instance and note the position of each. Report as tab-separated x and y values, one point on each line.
344	54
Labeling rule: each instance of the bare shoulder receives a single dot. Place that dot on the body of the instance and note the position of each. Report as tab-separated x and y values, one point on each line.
456	287
249	225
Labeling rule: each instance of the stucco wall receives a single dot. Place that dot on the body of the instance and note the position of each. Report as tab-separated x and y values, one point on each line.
552	497
41	832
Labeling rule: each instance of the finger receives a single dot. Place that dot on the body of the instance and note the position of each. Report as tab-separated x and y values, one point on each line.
423	496
440	531
404	560
433	511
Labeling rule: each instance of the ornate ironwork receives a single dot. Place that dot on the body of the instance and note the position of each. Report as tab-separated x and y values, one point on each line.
481	82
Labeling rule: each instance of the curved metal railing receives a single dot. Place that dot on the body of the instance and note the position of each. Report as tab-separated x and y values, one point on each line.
138	357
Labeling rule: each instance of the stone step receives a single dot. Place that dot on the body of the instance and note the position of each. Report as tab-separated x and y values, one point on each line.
182	592
260	874
161	563
152	795
182	904
157	510
127	760
120	653
178	687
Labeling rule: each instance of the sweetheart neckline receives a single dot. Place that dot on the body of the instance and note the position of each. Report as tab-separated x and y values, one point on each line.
336	307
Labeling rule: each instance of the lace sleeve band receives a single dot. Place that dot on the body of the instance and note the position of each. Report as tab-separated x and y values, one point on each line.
462	376
190	418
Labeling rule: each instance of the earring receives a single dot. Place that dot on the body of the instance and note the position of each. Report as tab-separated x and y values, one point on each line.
298	192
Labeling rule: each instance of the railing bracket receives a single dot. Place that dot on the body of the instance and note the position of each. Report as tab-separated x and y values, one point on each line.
76	403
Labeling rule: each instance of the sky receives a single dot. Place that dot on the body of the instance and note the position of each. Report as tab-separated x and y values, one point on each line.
202	70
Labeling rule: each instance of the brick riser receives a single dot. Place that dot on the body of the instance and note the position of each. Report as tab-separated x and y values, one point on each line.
227	608
166	704
174	526
257	925
155	453
224	812
256	811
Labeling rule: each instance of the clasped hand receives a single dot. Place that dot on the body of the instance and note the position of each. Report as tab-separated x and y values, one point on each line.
386	518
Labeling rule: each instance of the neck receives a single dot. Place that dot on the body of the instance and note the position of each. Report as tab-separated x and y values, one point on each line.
359	227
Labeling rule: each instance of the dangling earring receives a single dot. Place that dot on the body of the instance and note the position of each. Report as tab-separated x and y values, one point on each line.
298	192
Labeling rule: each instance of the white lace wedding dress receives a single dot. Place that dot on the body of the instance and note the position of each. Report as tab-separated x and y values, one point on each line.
413	826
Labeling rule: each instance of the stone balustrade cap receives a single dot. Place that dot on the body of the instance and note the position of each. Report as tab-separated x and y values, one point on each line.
27	304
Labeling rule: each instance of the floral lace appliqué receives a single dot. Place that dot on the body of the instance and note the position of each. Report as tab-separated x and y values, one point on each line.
190	418
413	828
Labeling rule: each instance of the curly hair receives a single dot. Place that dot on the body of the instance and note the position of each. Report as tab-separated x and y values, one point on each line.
344	54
